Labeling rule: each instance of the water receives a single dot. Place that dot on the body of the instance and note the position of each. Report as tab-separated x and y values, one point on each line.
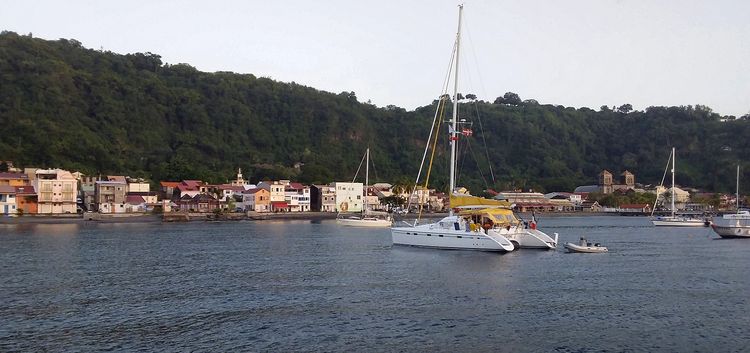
306	286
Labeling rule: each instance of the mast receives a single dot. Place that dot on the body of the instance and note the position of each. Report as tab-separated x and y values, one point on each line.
367	177
454	120
737	196
673	158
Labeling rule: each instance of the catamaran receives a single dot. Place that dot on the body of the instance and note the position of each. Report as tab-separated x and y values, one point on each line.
368	218
479	224
674	220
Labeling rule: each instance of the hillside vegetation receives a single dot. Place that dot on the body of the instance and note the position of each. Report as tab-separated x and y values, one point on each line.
63	105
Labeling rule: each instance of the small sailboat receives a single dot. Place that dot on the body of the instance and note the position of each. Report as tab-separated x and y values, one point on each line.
734	225
368	218
584	246
674	220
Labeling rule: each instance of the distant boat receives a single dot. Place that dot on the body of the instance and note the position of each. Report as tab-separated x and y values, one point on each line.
584	246
367	218
675	220
735	225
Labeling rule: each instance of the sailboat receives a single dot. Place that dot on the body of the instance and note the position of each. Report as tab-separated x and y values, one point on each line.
734	225
367	218
674	220
480	224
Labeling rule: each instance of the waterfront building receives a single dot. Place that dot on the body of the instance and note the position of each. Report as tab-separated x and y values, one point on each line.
348	196
87	192
14	179
323	198
168	190
256	200
7	200
201	203
297	196
277	194
57	191
110	196
527	201
26	199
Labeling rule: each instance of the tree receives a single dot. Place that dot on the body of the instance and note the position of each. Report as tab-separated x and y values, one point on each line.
4	166
509	98
625	108
604	108
471	96
530	102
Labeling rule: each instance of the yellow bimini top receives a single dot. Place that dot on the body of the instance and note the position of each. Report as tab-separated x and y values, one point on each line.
499	212
498	216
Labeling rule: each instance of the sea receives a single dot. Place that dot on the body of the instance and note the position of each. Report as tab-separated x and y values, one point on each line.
313	286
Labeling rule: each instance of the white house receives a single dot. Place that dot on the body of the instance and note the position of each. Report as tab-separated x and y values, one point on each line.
57	190
348	196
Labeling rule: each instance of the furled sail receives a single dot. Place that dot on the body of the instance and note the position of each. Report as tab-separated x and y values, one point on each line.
468	201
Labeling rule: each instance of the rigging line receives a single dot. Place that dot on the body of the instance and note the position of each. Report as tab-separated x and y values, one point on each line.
476	66
486	149
374	171
443	91
662	183
432	158
473	155
360	167
467	30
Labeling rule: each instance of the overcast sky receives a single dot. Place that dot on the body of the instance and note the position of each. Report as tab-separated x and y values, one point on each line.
574	52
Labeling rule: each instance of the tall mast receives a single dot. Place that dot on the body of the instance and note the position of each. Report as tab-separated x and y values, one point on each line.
367	176
737	196
454	120
673	158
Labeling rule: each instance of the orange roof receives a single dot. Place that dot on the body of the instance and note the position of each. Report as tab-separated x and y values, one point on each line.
169	184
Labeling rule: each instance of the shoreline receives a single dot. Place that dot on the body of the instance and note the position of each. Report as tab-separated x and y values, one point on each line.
234	217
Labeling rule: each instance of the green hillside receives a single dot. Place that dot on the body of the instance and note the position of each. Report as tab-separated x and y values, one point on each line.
62	105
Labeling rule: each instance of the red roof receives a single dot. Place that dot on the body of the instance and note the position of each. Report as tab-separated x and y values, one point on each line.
253	191
296	186
7	189
279	204
134	199
170	184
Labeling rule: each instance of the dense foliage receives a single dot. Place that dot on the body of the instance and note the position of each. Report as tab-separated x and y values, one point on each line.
62	105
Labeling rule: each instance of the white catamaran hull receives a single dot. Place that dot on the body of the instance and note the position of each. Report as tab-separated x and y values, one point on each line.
530	238
364	222
435	236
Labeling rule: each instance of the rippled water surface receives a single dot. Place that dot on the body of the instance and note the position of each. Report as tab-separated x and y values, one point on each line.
315	286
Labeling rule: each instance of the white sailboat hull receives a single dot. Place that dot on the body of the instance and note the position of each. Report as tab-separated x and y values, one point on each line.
678	222
364	222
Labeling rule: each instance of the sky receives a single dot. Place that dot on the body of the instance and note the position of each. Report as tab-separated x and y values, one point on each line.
577	53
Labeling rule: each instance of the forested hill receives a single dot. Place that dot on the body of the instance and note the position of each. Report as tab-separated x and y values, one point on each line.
62	105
